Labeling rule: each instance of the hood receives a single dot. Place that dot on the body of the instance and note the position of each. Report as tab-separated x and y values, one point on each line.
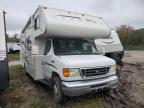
86	61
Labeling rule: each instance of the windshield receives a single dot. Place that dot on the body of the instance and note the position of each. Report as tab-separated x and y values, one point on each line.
73	47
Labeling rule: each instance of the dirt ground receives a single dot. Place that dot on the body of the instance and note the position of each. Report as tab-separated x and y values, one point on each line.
134	57
25	93
130	93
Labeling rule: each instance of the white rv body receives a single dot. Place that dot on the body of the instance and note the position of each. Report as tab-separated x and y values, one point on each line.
74	24
54	22
4	77
47	32
2	38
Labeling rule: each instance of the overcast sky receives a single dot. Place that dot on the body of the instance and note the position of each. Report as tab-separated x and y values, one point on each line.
115	12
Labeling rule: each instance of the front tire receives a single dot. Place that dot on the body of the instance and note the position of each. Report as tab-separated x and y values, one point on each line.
57	91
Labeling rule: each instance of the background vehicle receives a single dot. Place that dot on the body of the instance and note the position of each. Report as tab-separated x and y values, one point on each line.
4	75
112	47
58	49
13	47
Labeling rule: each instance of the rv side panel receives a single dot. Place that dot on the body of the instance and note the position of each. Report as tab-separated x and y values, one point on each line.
4	75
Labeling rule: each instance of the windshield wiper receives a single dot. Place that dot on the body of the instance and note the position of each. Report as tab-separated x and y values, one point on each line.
88	53
78	53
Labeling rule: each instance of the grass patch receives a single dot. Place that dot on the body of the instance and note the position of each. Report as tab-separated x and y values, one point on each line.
17	77
37	104
11	105
16	68
14	102
87	101
14	95
13	57
134	47
16	71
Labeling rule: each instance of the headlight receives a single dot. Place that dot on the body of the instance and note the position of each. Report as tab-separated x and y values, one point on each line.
71	72
113	69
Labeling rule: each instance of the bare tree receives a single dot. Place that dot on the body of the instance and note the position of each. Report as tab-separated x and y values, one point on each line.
124	32
14	38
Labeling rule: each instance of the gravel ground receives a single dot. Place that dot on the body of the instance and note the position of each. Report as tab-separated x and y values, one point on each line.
134	57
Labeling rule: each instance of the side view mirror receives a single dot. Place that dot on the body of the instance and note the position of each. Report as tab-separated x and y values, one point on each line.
101	51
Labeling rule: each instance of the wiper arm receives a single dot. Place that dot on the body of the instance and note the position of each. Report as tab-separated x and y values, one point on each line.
88	53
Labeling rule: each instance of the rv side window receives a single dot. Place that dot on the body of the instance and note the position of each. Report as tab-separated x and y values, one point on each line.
29	43
37	23
47	47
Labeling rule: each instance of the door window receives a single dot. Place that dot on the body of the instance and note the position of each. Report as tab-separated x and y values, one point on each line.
37	23
47	47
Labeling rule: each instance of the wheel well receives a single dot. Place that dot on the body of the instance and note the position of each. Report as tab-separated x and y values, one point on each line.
54	74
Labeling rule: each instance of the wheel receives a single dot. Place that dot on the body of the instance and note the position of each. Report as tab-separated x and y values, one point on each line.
57	91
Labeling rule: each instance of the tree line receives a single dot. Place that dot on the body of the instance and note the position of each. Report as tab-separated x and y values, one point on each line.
12	39
131	39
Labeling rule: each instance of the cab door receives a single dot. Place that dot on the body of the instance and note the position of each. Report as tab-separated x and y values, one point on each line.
46	63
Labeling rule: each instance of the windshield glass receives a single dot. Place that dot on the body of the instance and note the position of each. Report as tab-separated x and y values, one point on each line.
73	47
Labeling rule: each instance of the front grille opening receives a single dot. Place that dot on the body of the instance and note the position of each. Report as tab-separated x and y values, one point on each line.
99	85
94	72
100	89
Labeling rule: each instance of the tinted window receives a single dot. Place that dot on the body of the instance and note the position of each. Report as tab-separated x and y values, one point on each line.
37	23
47	47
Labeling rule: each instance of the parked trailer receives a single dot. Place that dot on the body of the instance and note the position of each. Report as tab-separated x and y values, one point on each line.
58	49
112	47
4	74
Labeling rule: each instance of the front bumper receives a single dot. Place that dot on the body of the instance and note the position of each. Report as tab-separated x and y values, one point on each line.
77	88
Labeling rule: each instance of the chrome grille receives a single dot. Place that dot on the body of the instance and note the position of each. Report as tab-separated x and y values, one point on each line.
94	71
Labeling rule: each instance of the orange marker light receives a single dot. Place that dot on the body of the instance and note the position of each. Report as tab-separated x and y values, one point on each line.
66	72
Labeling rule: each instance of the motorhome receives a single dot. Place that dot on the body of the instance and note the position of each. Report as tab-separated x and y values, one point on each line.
58	49
4	75
111	47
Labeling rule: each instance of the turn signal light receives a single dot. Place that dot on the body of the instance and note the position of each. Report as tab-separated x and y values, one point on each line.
66	72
